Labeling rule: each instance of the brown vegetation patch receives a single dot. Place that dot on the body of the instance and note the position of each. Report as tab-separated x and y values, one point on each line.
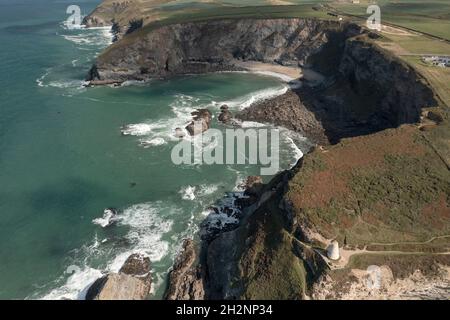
322	187
436	211
387	187
370	150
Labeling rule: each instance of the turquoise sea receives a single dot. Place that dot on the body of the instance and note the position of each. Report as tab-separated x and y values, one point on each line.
63	159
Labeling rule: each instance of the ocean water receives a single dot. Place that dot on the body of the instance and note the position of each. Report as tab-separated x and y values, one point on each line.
63	159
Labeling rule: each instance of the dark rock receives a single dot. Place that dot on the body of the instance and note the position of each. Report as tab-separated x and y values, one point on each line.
225	116
95	289
200	123
139	266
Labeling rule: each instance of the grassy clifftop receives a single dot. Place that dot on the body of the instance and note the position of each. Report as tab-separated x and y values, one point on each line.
387	187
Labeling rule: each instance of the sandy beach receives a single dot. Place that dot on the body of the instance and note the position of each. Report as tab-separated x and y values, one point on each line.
285	73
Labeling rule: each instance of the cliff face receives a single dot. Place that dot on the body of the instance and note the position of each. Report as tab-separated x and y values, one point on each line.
213	46
120	11
398	90
367	90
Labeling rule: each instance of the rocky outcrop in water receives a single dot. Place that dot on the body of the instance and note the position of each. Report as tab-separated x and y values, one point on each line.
132	282
225	115
201	121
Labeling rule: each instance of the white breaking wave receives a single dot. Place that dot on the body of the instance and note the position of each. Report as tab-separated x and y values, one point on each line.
108	218
191	193
206	190
91	40
152	142
249	99
188	193
80	279
252	124
162	131
76	286
182	107
146	230
40	80
139	129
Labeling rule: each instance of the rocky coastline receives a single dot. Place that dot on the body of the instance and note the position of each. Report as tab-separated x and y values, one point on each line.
366	91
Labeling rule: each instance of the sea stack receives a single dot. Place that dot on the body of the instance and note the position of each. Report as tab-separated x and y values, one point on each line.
333	251
225	115
200	123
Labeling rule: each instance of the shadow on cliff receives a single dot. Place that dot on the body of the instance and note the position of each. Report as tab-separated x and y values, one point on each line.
367	89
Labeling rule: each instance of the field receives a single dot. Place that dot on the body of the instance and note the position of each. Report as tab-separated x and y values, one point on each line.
432	17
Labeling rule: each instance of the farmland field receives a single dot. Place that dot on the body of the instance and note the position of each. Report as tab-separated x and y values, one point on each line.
432	17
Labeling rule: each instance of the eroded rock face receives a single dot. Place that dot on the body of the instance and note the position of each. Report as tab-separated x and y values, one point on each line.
186	278
211	46
398	90
133	282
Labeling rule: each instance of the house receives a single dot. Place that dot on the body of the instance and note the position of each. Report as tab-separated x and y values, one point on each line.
440	61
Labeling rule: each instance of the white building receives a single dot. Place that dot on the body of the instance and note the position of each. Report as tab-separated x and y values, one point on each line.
333	251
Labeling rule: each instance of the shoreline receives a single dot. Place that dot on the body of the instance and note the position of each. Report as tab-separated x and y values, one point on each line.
287	74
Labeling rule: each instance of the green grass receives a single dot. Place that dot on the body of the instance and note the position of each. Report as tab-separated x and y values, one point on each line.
270	268
253	12
259	12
